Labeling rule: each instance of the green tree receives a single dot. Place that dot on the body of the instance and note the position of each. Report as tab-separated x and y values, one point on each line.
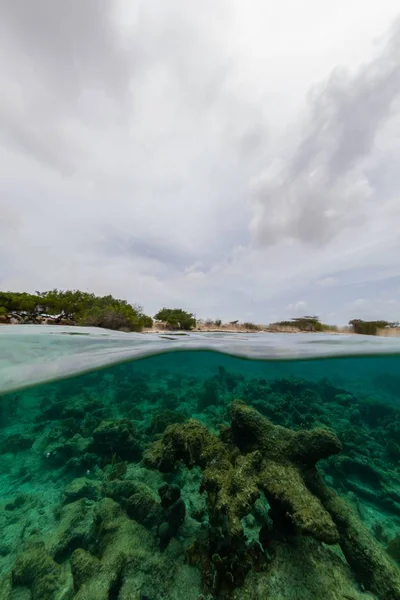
176	318
81	307
307	323
369	327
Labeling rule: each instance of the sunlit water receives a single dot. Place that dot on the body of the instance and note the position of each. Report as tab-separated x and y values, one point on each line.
82	513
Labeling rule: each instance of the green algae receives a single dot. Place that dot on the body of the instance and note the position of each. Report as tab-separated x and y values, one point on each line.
266	463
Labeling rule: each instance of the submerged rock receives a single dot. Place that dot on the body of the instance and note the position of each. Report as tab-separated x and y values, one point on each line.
163	418
253	456
393	548
82	488
118	438
363	553
119	543
16	442
266	458
174	513
37	570
144	507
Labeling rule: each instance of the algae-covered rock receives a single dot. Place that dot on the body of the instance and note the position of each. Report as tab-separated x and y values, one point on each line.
71	452
363	553
118	438
162	418
253	456
83	566
303	569
190	442
82	488
287	457
174	513
117	543
6	586
119	489
393	548
39	572
139	501
73	529
16	442
144	506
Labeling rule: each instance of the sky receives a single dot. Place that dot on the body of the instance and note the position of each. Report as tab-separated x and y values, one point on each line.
238	160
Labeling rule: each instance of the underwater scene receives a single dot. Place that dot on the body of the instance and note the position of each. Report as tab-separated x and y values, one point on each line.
198	475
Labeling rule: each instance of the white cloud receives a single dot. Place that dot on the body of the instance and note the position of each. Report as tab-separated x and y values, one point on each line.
297	307
229	161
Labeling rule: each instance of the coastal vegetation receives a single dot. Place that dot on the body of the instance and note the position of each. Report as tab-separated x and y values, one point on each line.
176	318
306	323
370	327
75	307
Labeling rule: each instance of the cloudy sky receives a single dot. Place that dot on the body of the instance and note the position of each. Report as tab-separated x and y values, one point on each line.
236	158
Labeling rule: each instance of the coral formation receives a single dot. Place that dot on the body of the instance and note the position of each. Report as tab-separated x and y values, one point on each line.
259	457
161	420
393	548
99	573
373	567
144	506
117	437
37	570
174	513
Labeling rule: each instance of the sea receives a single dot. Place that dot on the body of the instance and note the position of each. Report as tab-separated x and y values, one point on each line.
194	466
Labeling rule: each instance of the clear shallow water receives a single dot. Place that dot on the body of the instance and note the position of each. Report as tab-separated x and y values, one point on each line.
85	512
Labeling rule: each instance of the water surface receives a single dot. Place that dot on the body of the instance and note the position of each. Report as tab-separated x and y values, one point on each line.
90	511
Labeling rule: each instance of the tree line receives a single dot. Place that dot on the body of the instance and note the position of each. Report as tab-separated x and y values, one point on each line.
313	323
84	308
79	307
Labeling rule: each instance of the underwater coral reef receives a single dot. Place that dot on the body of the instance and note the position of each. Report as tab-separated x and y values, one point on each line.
148	482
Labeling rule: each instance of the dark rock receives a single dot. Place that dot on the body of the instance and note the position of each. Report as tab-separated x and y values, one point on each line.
119	489
5	549
37	570
16	442
143	506
60	454
82	488
174	513
18	502
169	494
117	437
163	418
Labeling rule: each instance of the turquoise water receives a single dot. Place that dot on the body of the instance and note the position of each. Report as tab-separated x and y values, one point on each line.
197	474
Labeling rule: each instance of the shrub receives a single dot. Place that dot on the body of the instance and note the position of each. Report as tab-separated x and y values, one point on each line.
218	322
176	318
251	326
368	327
109	319
303	323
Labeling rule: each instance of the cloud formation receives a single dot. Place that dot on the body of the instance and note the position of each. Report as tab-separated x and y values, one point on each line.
326	186
234	162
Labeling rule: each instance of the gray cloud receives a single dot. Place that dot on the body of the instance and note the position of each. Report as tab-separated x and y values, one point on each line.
72	46
326	184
